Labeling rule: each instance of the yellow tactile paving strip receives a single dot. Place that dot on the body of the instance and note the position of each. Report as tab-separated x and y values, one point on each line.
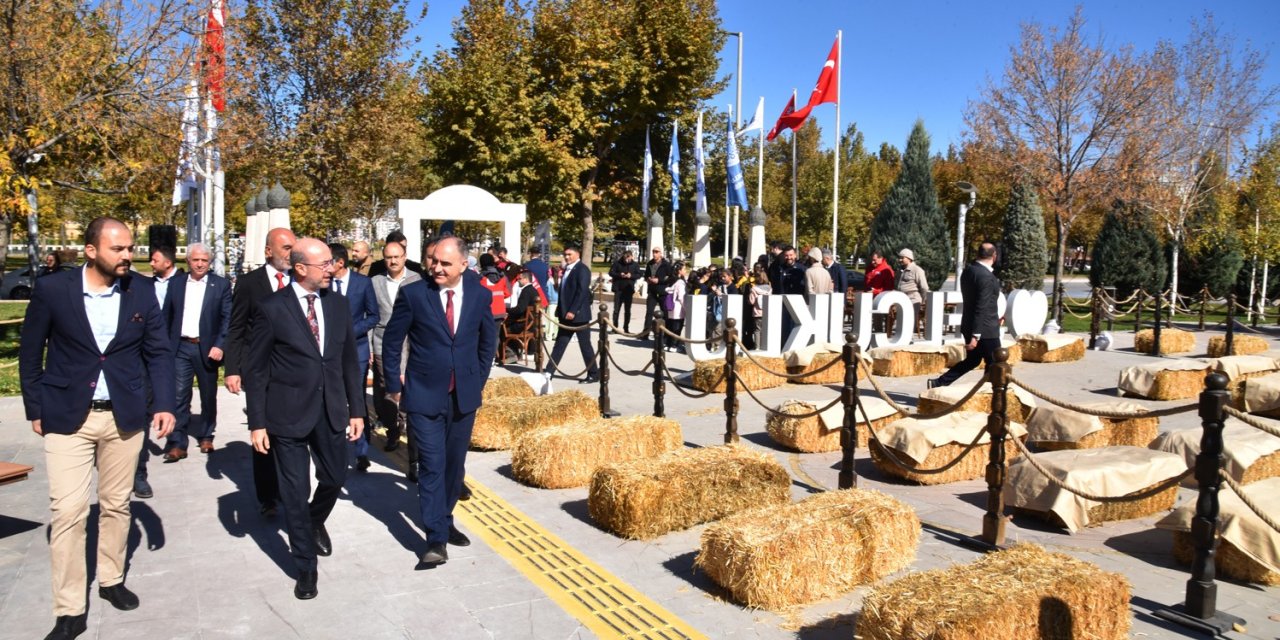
598	599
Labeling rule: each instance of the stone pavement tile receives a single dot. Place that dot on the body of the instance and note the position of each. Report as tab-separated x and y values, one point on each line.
534	620
429	614
503	592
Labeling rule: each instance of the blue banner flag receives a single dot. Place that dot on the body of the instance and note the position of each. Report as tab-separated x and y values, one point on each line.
733	169
648	174
700	201
673	165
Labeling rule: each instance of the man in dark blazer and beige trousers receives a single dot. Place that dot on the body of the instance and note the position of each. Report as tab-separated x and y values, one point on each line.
306	400
90	338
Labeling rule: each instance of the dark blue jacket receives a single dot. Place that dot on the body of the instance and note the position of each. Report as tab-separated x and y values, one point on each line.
59	360
575	295
364	310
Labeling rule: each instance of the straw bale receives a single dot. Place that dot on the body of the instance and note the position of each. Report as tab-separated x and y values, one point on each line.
815	549
1114	511
1267	466
1229	560
1130	432
1241	345
1023	592
1015	353
1039	351
810	435
1171	341
834	375
974	465
707	374
980	402
646	498
566	455
499	422
910	363
506	387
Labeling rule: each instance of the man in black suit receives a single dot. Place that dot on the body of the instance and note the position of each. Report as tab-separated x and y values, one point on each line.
305	397
980	320
380	267
623	275
574	310
251	288
163	269
89	340
198	314
659	275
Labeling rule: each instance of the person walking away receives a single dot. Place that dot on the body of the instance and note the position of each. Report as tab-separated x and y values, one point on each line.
980	320
816	279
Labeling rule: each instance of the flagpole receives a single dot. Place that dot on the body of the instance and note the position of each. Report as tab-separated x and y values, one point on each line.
726	198
793	178
760	162
835	190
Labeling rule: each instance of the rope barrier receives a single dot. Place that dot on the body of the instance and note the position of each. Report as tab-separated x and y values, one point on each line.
1252	421
1103	413
916	414
681	389
772	411
893	458
629	372
685	340
613	328
792	376
1247	500
1132	497
568	327
555	366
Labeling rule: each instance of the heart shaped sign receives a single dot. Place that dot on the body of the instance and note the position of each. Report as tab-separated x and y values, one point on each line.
1027	312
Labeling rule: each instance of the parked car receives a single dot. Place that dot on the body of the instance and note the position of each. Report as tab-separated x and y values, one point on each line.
17	283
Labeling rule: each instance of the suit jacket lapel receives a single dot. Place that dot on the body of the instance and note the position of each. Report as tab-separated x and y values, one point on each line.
295	310
82	312
125	298
436	305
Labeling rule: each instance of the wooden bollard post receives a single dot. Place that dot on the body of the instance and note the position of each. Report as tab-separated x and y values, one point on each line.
1155	330
1231	323
730	381
849	398
1095	318
659	362
538	338
605	409
998	426
1200	609
1137	312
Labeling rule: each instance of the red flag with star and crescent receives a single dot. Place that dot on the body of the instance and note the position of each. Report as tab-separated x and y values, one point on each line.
215	47
824	91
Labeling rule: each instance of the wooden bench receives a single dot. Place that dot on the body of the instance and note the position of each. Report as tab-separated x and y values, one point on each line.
11	472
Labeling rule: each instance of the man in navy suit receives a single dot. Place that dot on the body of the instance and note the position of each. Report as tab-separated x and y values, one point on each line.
358	290
452	341
575	311
198	313
302	385
90	338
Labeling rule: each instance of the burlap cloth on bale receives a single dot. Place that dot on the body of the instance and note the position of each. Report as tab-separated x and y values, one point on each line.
1052	341
1237	523
876	408
1140	379
1106	471
1262	393
804	356
1057	424
886	353
1244	446
1237	366
916	438
954	393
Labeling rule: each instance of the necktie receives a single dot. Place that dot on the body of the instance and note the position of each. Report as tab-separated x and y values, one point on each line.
448	318
279	281
338	283
311	317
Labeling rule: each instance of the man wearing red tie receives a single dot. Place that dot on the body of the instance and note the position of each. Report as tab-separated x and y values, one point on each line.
250	289
452	340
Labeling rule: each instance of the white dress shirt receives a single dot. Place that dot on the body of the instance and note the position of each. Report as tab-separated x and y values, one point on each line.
192	306
103	310
302	300
162	286
271	275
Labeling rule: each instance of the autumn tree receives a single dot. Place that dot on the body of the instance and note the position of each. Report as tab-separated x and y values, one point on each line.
77	80
1060	113
910	216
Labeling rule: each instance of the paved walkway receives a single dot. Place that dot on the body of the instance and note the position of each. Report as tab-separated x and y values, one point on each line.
206	565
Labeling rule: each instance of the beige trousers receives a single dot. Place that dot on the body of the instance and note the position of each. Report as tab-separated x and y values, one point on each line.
70	459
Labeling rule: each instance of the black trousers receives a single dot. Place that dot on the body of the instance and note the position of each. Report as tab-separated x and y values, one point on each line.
650	304
328	448
984	352
622	299
584	343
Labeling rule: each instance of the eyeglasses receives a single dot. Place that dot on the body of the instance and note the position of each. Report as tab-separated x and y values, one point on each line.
327	264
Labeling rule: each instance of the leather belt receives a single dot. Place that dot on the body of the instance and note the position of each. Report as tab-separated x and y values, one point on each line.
100	405
191	340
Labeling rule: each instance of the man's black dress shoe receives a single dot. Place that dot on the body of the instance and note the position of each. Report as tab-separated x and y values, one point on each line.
119	596
68	627
458	538
435	554
590	379
268	509
324	546
305	587
392	443
465	493
362	463
142	488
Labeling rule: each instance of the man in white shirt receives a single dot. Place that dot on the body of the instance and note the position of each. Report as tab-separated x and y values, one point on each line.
386	286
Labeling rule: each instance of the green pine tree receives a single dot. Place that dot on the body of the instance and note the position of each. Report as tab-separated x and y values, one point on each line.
1127	255
1025	258
911	217
1212	252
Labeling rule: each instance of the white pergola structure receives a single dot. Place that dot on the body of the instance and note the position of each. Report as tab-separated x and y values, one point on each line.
461	202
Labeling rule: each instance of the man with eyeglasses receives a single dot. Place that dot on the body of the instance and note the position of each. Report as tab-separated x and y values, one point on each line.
306	399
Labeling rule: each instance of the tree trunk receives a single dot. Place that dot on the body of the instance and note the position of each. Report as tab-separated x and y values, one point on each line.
1062	228
33	229
588	230
6	232
1173	272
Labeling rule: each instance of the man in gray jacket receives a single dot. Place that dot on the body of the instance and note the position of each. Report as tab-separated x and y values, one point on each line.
385	287
912	281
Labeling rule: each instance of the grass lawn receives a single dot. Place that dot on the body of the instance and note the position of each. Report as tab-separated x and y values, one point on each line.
9	332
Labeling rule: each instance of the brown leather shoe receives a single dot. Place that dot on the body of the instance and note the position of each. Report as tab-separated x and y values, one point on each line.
175	454
206	446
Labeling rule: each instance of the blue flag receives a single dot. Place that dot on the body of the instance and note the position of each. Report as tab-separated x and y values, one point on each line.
648	174
700	201
733	169
673	165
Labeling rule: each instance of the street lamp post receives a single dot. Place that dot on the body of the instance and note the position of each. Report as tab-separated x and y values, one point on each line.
964	209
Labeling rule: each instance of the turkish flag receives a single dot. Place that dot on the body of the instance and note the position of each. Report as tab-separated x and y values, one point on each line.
826	90
215	66
786	120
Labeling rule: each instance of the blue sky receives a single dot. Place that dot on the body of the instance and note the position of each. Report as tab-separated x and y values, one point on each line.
918	59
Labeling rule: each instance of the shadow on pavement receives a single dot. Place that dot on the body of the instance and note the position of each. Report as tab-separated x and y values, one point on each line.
1153	546
14	526
238	510
388	498
681	566
838	626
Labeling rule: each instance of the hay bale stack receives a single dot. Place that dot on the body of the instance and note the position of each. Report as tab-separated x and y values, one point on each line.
1114	511
1131	432
971	468
1169	379
930	444
1171	341
1048	349
500	422
1229	560
1023	592
834	375
708	375
566	455
644	499
902	363
506	387
1055	428
1019	403
1241	345
819	548
1015	352
817	434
